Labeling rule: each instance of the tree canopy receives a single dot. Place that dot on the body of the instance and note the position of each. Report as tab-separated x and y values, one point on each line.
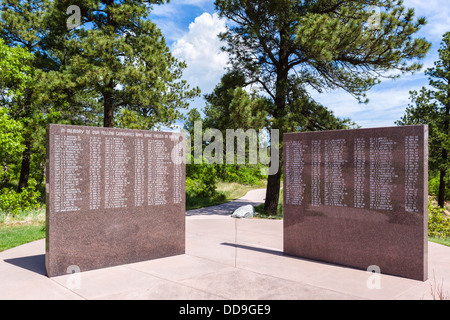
121	56
432	107
114	63
288	46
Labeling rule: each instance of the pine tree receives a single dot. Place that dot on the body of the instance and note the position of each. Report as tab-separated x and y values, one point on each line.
432	107
119	54
116	59
14	75
289	45
229	106
21	24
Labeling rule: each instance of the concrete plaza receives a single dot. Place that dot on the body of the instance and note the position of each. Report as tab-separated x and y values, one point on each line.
225	258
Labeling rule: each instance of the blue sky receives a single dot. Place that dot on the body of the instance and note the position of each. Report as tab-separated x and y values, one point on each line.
191	27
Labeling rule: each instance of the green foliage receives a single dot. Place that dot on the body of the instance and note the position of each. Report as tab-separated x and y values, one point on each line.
284	47
12	236
192	116
11	146
22	28
247	110
243	174
10	136
32	136
22	126
433	186
201	185
331	40
266	214
189	123
229	106
121	57
438	222
201	180
432	107
216	110
116	64
13	202
14	70
129	119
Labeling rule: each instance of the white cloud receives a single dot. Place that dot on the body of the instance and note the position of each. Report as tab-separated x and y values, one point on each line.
387	104
199	3
199	46
200	49
389	99
437	13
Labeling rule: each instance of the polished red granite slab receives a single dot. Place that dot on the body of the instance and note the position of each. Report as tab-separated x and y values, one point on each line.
358	198
114	196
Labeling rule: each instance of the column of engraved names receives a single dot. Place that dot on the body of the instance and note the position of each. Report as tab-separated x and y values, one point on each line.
382	173
359	172
67	174
178	172
177	180
316	158
334	184
139	170
158	159
95	167
294	171
116	162
411	173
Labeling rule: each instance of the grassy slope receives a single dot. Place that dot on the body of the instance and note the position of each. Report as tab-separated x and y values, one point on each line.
13	236
445	242
22	228
227	191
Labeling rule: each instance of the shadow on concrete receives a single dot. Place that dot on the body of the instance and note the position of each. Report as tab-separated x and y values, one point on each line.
241	246
281	253
32	263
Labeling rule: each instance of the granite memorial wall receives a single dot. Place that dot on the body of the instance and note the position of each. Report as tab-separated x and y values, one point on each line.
358	198
114	196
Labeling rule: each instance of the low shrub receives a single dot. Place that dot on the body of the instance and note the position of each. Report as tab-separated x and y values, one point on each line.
438	222
201	180
13	202
243	174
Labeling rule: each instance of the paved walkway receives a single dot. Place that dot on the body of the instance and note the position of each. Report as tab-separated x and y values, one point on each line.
225	258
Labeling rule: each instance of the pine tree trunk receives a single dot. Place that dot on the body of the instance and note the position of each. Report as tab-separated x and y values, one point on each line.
273	193
273	181
108	120
108	94
441	195
25	169
108	106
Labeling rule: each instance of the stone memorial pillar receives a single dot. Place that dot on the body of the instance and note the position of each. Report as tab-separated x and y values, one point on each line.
359	198
114	196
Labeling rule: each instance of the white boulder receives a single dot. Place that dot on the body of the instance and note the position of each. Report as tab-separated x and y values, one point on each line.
245	212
